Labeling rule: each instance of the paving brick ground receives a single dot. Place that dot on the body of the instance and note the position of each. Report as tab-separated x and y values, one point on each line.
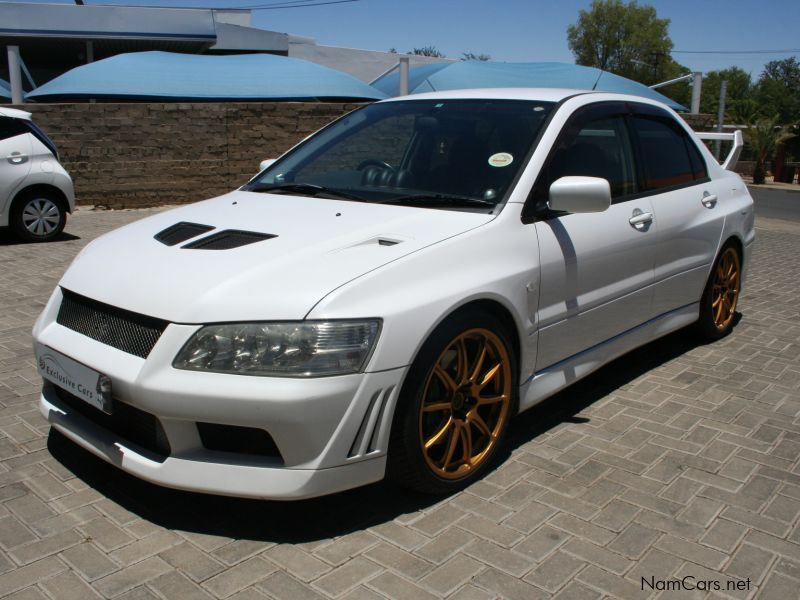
678	461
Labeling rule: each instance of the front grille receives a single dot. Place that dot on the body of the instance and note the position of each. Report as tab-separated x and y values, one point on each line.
128	422
241	440
122	329
228	239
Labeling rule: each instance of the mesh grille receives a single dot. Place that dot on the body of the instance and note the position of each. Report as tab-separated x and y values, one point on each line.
122	329
230	238
180	232
128	422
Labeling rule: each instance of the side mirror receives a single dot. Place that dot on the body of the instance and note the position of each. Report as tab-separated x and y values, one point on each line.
265	163
580	194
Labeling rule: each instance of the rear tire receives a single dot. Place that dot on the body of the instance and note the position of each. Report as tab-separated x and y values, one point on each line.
455	405
721	295
38	216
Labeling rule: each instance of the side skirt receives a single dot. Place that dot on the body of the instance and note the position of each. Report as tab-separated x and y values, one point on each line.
558	376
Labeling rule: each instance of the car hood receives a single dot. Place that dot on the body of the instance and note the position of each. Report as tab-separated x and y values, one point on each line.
318	246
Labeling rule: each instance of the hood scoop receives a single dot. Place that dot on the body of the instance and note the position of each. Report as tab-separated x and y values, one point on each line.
180	232
228	239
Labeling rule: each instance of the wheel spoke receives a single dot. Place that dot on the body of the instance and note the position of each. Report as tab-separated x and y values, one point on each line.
437	407
491	399
478	363
479	423
466	443
489	376
461	364
451	447
445	378
440	435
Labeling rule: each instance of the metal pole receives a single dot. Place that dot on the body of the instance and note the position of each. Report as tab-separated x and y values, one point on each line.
697	86
15	75
723	91
385	73
404	76
27	73
655	86
89	51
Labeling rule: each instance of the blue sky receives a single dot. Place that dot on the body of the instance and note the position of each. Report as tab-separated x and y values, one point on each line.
527	30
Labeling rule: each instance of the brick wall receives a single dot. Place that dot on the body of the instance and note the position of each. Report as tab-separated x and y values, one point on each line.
125	155
147	154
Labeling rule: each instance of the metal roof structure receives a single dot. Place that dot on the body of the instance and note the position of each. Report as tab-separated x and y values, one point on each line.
171	76
5	90
480	74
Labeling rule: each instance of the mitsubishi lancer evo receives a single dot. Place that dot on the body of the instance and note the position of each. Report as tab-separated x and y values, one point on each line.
382	299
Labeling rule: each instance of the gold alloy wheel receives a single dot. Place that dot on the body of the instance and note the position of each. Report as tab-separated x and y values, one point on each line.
465	403
725	293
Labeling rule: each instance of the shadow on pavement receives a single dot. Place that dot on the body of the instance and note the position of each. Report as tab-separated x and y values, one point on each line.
8	239
338	514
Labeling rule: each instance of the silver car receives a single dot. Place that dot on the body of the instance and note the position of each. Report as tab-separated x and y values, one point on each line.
36	193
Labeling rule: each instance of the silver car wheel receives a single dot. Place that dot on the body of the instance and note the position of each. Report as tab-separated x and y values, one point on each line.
41	216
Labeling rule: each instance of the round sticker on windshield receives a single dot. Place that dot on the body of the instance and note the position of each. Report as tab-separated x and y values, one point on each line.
501	159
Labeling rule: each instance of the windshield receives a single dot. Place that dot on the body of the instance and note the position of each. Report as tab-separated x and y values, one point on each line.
443	153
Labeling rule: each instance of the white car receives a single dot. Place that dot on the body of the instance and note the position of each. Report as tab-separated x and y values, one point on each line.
36	193
384	297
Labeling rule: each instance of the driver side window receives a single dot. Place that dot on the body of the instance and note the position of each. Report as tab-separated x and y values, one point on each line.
590	147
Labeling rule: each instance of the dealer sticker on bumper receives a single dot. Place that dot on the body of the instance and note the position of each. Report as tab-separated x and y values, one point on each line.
79	380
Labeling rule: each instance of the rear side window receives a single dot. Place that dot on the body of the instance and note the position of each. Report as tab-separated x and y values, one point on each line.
11	128
669	157
698	164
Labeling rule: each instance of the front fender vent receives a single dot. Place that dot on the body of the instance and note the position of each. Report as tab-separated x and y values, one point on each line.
180	232
367	438
228	239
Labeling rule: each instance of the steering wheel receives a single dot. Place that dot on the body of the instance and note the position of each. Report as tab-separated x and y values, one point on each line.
373	162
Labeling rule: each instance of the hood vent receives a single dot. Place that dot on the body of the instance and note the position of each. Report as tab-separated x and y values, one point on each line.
227	239
180	232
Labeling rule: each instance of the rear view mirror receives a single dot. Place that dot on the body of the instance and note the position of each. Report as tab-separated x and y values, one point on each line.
265	163
580	195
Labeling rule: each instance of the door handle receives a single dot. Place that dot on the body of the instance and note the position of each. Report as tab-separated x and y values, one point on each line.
641	220
17	158
709	200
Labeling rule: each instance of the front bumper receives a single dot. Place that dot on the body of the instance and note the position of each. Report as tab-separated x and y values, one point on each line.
331	433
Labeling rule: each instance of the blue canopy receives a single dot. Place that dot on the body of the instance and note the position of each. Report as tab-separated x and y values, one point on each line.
485	74
5	90
172	76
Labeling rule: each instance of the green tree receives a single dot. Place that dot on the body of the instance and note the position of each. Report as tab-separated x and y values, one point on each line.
743	112
626	39
779	89
427	51
473	56
763	137
740	87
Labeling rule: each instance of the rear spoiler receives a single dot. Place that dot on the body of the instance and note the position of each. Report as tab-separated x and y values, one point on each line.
735	137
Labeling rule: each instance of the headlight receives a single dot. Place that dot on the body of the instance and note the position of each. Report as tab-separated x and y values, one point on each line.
300	349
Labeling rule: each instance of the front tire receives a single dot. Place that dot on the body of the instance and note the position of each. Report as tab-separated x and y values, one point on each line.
455	405
721	295
38	216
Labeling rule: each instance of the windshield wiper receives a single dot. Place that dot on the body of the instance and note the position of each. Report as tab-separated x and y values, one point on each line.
439	199
303	188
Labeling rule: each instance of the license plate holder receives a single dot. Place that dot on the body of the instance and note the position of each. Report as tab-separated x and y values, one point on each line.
81	381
